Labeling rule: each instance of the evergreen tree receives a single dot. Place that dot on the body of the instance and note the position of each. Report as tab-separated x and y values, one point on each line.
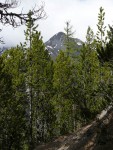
14	101
5	96
69	41
105	54
39	86
90	39
87	83
63	86
101	39
87	94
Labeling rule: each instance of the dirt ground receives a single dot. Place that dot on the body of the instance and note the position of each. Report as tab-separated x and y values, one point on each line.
96	136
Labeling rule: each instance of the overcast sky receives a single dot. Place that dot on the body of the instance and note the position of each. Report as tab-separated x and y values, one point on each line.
81	13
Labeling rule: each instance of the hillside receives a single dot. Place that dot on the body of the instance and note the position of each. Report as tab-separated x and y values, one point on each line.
98	135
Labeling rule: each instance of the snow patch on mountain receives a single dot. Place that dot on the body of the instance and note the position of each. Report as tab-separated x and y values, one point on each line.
56	43
79	43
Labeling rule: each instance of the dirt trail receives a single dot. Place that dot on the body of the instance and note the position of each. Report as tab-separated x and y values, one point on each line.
96	136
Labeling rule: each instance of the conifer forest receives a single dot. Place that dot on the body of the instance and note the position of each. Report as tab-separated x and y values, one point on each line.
42	98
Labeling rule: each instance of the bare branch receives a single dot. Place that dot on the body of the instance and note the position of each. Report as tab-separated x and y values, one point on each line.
17	19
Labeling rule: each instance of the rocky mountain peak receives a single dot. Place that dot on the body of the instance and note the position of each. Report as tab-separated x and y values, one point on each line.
56	43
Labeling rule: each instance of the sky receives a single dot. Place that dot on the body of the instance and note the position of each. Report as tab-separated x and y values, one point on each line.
80	13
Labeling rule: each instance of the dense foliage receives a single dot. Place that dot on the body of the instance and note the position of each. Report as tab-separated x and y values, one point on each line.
41	98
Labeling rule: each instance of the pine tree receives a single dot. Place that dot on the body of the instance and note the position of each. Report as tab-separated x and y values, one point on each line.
15	102
69	41
29	73
39	86
101	39
105	54
5	95
63	86
88	80
42	67
90	39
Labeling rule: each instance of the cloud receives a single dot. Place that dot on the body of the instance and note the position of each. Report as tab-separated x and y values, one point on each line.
82	13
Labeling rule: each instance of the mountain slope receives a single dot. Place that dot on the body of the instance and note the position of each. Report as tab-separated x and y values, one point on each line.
56	43
98	135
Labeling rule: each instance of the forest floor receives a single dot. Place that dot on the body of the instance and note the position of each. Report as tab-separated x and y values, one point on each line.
98	135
